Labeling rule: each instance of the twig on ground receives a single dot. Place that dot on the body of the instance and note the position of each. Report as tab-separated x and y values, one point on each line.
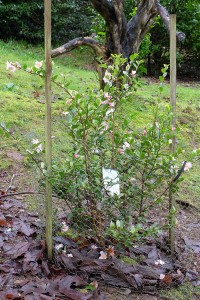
23	193
11	182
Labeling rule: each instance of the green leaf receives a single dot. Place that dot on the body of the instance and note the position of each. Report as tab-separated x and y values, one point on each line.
161	78
90	287
133	56
112	225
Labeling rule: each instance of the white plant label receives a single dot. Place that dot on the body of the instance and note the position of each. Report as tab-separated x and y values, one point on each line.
111	181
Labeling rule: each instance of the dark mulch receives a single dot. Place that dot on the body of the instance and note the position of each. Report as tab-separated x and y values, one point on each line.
77	272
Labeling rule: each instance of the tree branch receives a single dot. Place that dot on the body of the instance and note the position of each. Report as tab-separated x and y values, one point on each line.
99	50
166	20
23	193
139	25
105	8
78	42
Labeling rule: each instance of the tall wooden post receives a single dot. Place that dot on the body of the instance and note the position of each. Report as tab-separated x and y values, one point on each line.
48	140
173	108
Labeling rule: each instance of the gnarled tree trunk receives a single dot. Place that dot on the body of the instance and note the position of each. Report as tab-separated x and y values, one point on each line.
122	36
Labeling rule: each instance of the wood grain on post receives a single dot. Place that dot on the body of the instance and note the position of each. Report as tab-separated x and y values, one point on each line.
48	140
173	108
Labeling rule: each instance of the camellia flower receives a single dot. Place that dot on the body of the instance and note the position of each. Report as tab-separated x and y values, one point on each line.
188	166
39	148
10	67
35	141
120	151
107	96
104	102
144	132
105	125
109	111
69	101
173	169
133	73
38	64
112	104
107	77
64	113
126	145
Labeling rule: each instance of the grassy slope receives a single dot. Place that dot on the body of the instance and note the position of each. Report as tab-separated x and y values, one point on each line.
24	114
20	110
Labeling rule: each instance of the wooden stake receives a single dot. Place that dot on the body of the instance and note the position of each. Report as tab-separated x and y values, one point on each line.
48	141
173	108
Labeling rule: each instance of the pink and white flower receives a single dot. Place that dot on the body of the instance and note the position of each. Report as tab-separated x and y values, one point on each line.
107	77
39	148
133	73
109	111
111	104
188	166
126	145
76	155
64	113
120	151
144	132
107	96
104	102
35	141
38	64
10	67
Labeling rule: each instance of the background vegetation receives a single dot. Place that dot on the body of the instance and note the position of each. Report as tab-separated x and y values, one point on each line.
23	20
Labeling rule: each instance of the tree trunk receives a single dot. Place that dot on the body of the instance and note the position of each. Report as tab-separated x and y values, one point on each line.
122	37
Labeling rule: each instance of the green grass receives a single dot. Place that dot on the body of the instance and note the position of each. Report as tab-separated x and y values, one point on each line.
184	292
22	113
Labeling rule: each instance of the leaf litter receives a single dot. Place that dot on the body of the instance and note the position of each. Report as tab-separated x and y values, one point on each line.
76	270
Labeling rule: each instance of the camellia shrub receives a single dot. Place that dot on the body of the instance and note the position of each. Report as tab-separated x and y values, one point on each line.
114	176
